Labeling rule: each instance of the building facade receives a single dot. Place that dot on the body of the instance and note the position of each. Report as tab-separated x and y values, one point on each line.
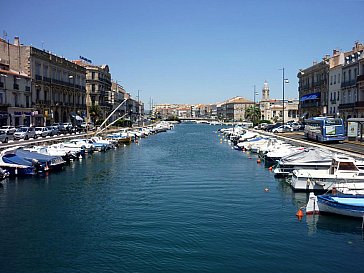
313	89
98	87
57	85
273	109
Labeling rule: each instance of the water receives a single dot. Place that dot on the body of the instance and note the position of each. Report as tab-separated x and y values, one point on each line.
180	201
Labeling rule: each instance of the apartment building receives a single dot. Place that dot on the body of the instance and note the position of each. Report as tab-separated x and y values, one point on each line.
57	89
98	86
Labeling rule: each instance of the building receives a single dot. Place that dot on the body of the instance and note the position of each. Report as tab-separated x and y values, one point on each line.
15	96
336	64
351	105
98	86
273	109
234	108
57	85
313	89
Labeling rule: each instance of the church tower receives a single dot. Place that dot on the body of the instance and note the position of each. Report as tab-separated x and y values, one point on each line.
265	92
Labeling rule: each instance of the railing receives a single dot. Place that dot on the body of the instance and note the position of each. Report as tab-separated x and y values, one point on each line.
46	79
348	83
333	102
38	77
360	78
346	105
310	104
359	104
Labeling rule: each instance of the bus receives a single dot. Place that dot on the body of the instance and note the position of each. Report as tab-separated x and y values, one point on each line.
324	129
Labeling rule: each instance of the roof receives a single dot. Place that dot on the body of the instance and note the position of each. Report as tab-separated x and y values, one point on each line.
238	100
15	73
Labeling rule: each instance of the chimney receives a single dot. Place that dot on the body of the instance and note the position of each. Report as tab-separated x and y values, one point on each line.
16	41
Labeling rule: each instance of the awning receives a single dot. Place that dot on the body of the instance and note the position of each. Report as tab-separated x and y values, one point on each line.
76	117
313	96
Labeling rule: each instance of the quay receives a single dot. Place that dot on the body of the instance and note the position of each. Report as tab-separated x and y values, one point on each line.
351	148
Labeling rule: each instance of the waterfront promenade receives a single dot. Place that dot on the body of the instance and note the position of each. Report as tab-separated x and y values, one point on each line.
179	201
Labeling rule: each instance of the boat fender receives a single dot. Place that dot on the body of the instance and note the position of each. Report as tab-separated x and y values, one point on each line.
299	214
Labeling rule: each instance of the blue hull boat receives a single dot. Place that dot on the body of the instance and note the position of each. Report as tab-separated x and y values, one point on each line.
348	205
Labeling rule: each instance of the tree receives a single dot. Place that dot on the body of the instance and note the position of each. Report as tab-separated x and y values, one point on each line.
252	113
95	113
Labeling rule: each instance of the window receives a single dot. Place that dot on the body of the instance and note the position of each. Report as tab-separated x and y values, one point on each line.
45	70
349	74
331	80
344	97
330	110
93	75
330	96
37	69
334	110
338	78
93	88
349	96
338	95
334	96
334	79
344	77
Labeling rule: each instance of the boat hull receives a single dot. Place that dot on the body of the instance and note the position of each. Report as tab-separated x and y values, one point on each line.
347	205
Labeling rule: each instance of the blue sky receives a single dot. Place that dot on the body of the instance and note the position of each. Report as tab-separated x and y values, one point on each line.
190	51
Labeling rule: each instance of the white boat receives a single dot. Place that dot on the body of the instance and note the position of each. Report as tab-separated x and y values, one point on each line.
343	174
308	158
272	157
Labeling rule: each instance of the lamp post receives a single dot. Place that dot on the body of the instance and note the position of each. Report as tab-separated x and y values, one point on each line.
284	81
254	111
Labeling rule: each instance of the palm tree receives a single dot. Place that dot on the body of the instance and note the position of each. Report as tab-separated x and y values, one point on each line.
252	113
95	113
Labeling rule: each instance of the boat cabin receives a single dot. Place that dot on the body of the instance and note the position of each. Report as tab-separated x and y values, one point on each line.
343	164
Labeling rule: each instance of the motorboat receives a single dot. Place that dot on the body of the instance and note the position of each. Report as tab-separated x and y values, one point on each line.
308	158
343	175
347	204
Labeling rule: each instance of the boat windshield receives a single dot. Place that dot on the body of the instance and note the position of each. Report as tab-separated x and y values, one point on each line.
347	166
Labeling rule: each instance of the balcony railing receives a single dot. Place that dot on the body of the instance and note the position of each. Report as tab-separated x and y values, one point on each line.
360	78
38	77
348	83
346	105
46	79
333	102
310	104
359	104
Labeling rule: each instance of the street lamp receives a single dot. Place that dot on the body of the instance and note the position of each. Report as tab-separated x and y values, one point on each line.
284	81
254	111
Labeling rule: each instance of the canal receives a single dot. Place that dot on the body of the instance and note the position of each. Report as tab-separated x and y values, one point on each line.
179	201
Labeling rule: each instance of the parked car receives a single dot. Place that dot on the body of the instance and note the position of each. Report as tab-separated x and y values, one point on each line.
25	133
4	137
41	131
270	127
65	127
282	129
10	130
53	130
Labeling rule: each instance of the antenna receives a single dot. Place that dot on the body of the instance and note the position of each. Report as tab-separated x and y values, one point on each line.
5	34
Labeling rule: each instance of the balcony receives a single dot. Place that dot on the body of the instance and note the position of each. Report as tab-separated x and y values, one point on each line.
360	78
46	79
346	105
359	104
27	88
38	77
333	102
16	86
348	83
310	104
